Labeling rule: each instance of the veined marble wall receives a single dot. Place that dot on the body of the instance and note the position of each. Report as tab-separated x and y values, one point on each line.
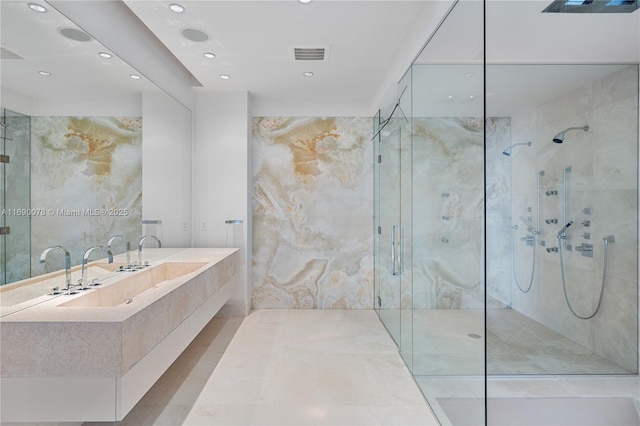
499	221
448	209
603	179
312	213
86	175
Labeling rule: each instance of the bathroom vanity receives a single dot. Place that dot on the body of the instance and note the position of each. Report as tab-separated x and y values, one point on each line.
91	356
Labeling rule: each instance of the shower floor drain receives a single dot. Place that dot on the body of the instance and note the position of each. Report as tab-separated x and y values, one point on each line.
474	336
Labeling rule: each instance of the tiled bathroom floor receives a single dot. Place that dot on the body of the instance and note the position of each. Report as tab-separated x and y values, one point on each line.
287	367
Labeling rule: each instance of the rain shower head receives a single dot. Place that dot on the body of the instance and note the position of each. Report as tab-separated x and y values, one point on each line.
559	138
507	150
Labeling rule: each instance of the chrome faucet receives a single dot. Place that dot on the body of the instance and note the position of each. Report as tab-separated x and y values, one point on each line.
85	258
140	246
67	262
110	243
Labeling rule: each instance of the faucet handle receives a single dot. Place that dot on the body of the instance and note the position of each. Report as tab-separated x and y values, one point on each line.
81	285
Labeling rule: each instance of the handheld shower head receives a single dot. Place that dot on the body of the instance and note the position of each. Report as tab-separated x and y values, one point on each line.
559	137
507	150
564	229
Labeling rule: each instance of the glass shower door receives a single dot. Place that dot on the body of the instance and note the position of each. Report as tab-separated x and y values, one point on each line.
15	219
388	232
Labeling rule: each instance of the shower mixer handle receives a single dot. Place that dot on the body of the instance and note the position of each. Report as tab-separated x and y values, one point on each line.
585	249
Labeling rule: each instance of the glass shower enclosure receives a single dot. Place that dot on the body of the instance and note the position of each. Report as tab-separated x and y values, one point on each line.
15	190
506	225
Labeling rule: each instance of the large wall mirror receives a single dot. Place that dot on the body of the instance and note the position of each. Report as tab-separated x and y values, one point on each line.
79	127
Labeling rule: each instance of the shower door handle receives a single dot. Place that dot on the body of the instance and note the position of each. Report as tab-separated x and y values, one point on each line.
396	250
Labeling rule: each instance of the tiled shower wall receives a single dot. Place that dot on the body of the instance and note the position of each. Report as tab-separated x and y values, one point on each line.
602	179
312	213
448	209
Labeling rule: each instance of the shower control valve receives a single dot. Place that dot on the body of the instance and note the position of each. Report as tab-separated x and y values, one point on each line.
529	240
586	223
586	249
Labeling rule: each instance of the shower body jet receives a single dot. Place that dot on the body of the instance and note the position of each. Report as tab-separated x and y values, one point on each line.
559	137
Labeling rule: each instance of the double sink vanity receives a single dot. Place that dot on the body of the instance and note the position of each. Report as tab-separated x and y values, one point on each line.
92	355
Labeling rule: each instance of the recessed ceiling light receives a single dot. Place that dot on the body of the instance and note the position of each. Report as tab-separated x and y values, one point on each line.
44	73
225	76
177	8
37	8
304	1
105	55
135	76
450	96
471	96
209	55
307	74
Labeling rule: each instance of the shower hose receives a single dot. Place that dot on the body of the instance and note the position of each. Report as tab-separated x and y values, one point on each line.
564	284
513	263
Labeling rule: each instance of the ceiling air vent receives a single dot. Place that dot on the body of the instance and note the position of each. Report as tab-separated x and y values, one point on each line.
7	54
309	53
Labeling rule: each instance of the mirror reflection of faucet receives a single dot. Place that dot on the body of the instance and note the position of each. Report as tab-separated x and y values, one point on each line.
128	245
82	283
141	265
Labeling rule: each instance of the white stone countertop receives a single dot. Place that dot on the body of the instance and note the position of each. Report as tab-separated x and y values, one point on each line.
49	339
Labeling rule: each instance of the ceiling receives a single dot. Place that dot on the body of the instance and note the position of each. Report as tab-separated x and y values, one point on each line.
76	69
369	45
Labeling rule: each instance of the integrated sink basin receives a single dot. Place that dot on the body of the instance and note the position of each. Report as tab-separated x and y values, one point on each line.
118	337
136	284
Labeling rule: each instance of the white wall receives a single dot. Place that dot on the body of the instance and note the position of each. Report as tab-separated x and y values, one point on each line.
221	180
166	167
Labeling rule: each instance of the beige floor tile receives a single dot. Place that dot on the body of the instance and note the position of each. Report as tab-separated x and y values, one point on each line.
287	367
